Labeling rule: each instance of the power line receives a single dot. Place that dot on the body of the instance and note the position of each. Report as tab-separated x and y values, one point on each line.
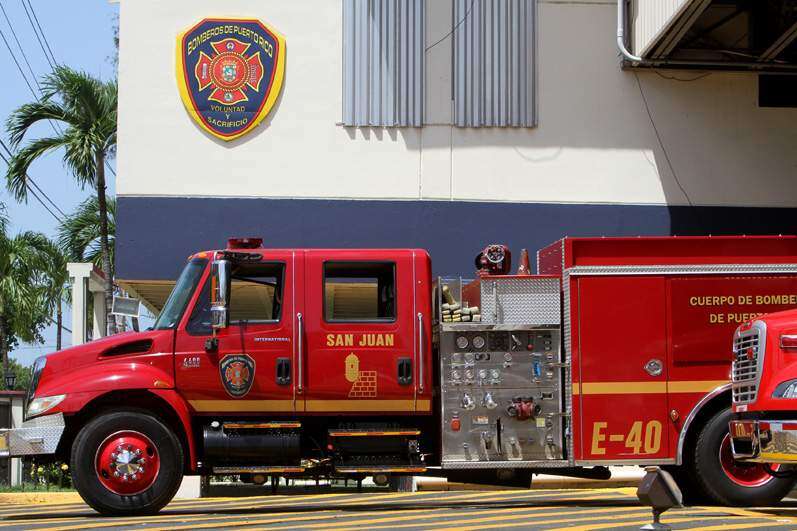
41	30
19	45
30	179
32	25
28	182
22	72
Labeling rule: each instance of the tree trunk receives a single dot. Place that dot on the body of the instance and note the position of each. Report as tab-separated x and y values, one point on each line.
3	348
106	257
59	321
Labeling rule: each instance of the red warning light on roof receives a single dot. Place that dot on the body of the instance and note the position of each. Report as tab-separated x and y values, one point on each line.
244	243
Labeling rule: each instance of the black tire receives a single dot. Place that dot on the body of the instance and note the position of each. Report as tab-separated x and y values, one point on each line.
692	492
103	500
712	480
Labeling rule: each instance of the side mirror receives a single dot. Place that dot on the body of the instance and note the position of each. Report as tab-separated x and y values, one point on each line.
220	294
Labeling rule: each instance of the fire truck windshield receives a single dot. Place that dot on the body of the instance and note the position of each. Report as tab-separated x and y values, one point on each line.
181	294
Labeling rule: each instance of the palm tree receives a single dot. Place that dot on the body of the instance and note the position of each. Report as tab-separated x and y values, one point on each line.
87	108
79	232
57	278
23	288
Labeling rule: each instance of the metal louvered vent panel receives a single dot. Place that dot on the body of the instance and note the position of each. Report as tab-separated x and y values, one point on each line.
746	369
383	54
494	63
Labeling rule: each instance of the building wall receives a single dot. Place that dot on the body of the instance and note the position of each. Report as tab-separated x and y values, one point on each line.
596	143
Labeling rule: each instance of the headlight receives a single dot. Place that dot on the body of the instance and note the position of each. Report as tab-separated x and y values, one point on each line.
787	389
38	406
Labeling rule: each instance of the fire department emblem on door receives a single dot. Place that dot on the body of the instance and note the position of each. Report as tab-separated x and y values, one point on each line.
230	72
237	374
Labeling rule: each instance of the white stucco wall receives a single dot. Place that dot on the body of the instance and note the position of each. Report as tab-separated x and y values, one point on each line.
595	142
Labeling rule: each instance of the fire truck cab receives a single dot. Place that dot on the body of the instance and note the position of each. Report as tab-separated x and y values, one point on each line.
269	363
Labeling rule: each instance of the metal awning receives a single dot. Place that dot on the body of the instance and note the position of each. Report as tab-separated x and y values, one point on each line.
153	293
718	34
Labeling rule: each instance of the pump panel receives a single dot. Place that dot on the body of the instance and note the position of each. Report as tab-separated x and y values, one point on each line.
501	386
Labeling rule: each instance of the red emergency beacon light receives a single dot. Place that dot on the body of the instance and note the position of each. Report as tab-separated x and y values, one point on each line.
244	243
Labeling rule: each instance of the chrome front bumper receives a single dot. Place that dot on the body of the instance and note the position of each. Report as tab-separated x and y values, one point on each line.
35	437
761	441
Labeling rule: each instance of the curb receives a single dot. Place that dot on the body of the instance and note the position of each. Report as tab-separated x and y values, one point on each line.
39	498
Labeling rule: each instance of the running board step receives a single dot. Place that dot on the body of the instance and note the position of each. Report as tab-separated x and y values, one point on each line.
380	469
244	425
258	469
374	433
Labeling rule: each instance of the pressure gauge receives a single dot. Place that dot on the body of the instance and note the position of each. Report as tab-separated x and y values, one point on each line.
495	374
507	357
478	342
455	375
482	374
462	342
469	374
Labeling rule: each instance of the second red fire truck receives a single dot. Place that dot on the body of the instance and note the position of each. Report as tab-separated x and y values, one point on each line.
270	363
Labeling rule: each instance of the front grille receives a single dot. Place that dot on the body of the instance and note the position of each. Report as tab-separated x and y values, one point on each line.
746	365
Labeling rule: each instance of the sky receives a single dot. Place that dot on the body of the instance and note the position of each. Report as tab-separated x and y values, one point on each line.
80	35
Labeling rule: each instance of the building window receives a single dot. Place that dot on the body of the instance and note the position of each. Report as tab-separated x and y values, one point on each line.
383	58
494	63
359	291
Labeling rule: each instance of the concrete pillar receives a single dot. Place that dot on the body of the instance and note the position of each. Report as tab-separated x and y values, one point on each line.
100	325
86	280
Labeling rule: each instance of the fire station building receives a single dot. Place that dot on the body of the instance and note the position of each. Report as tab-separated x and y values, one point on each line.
448	124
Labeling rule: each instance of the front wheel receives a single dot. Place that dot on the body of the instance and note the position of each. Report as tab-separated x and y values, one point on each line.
727	481
126	463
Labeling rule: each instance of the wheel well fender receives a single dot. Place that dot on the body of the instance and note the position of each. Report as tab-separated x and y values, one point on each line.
166	404
716	400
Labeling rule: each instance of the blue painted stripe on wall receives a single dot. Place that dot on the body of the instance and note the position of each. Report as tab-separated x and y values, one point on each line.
156	234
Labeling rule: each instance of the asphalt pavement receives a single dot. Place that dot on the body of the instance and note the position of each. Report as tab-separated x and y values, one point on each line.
341	509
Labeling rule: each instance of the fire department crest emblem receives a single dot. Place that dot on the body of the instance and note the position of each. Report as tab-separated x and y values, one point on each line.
237	374
230	72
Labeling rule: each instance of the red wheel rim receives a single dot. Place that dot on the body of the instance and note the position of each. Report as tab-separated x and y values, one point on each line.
743	474
127	463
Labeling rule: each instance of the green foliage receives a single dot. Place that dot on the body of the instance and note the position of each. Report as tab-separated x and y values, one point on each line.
23	374
48	475
79	233
86	107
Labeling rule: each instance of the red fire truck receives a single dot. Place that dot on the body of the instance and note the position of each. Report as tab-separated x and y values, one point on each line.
271	363
764	425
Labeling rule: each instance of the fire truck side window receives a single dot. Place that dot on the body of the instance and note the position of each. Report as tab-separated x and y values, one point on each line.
256	293
359	291
256	296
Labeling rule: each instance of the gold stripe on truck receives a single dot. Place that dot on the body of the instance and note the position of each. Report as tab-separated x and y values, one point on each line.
641	388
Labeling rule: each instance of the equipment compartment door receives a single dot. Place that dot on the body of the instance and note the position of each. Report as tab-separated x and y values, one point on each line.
253	369
623	367
359	354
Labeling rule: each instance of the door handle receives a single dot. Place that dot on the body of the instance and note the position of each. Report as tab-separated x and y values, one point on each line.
300	349
420	352
404	371
283	371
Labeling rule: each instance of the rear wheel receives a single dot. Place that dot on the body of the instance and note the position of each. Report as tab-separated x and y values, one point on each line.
126	463
727	481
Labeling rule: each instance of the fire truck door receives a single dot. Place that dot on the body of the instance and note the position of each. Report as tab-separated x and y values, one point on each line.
253	369
623	369
359	332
